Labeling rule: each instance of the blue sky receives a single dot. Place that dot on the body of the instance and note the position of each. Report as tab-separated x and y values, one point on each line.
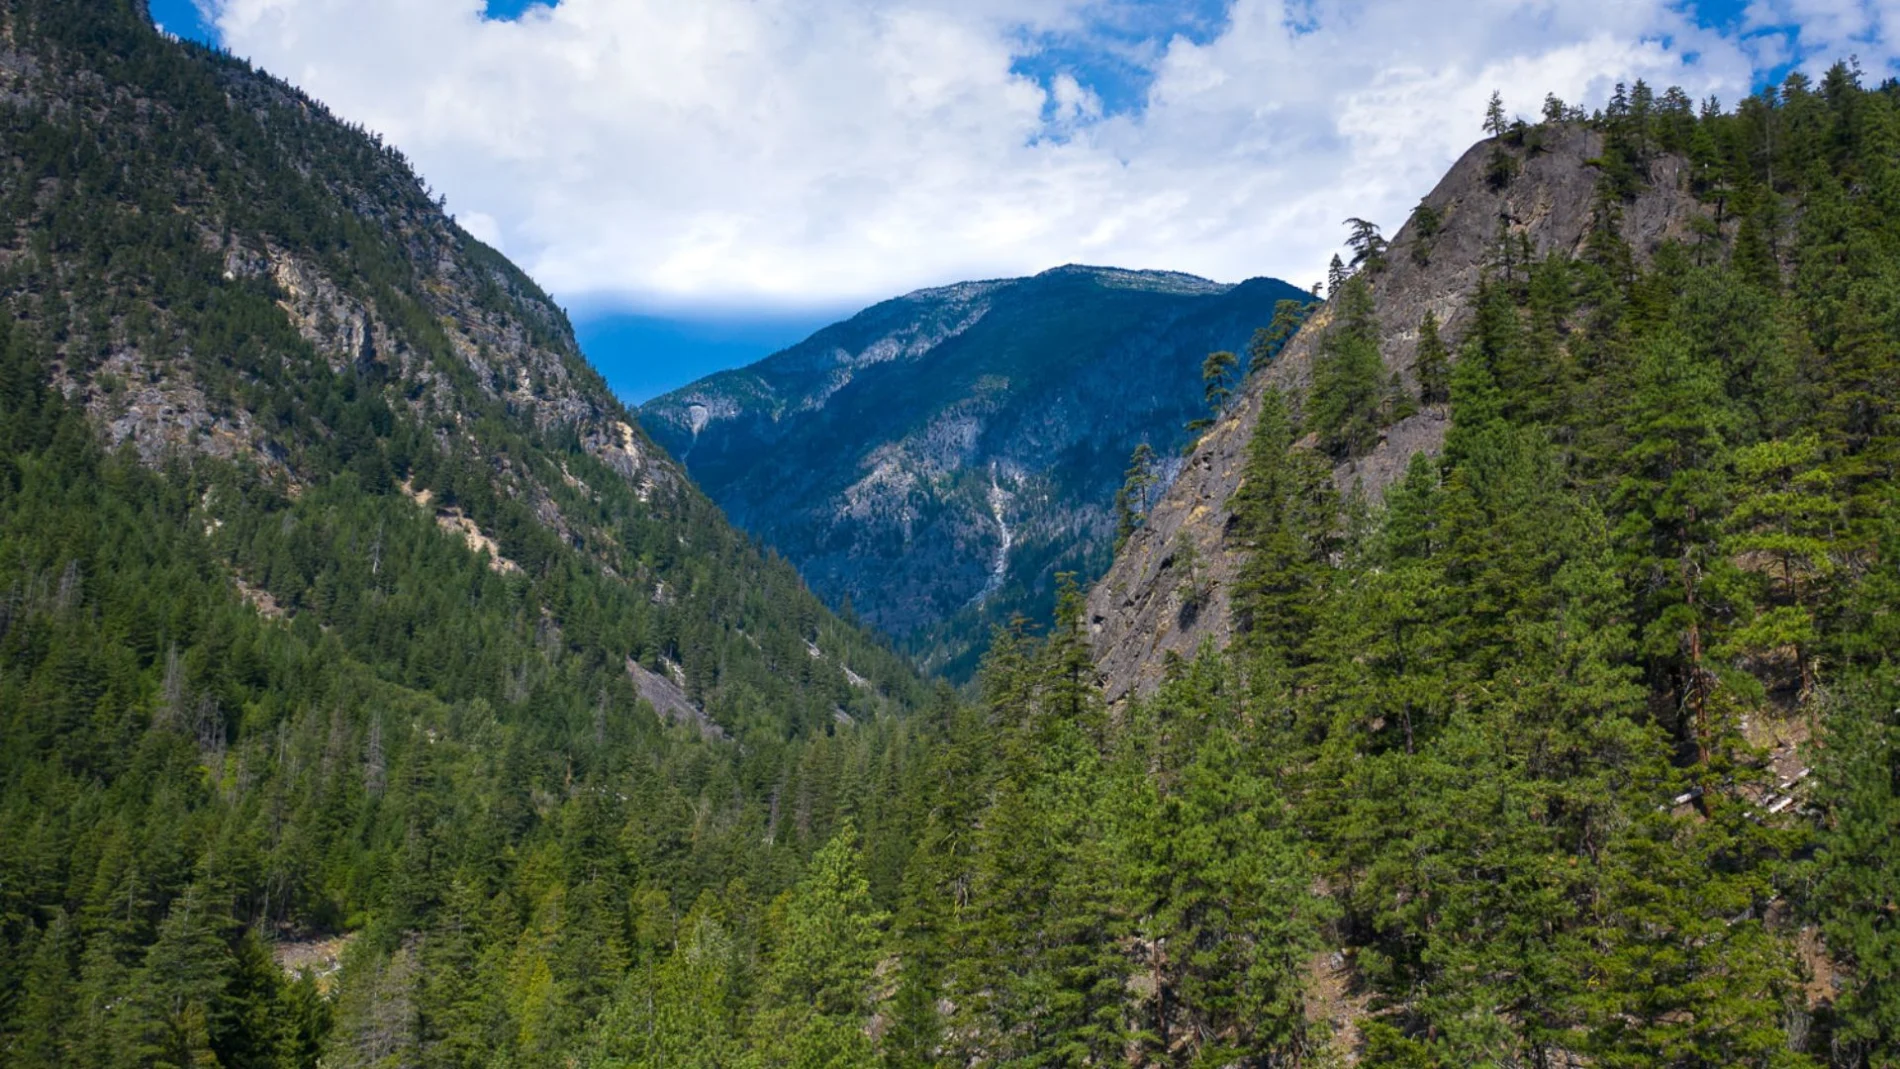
704	182
644	356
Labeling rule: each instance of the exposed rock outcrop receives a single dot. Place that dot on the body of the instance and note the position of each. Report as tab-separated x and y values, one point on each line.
392	296
1136	615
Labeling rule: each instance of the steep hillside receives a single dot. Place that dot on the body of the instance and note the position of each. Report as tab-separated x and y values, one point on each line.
372	699
1477	228
937	458
212	267
346	619
1558	716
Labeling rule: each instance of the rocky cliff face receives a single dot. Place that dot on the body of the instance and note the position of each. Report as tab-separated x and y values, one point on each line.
936	459
380	284
1135	613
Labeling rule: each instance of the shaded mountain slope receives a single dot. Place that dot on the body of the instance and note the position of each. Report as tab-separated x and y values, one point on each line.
936	459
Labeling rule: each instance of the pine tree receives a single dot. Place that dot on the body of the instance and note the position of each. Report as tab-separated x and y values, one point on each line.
674	1013
1349	377
1692	975
1857	865
1672	499
181	984
1431	367
818	987
1368	247
42	1037
1285	515
1780	527
1270	339
1223	891
1495	123
1131	501
1336	275
1217	374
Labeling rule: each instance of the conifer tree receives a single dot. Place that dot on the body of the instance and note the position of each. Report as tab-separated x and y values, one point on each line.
1270	339
1432	364
1780	526
1672	499
1349	377
1368	247
1336	275
1217	374
1857	864
1495	123
1221	890
674	1013
1131	501
181	984
821	971
1285	515
42	1037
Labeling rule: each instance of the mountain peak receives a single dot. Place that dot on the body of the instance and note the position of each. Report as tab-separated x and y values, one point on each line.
1139	279
1437	269
936	459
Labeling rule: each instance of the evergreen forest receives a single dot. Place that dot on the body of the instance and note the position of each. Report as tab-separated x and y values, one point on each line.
1580	745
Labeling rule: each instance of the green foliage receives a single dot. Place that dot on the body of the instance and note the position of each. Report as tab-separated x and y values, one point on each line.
1217	378
1285	513
1484	746
1348	393
1267	341
1431	366
269	699
1132	500
1368	247
1426	221
1857	865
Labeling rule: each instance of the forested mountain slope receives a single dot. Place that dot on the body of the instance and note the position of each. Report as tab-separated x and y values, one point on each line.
1558	715
937	459
341	605
1576	746
1469	229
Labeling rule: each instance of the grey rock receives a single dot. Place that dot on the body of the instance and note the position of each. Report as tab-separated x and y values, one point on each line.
1135	616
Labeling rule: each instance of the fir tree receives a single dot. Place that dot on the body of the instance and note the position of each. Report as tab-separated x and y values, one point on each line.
1131	501
1431	367
1348	391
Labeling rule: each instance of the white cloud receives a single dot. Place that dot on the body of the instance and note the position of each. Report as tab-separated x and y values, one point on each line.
482	227
815	151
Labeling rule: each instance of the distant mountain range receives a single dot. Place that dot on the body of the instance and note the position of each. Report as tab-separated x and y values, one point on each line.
937	459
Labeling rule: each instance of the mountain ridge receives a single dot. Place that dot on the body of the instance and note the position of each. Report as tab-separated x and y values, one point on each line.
1136	611
889	455
338	592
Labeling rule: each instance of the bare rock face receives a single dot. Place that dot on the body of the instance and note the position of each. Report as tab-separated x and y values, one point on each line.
1137	614
444	326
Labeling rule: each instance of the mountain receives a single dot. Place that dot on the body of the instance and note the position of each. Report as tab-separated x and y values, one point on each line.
373	694
1509	677
210	267
346	620
1436	265
936	459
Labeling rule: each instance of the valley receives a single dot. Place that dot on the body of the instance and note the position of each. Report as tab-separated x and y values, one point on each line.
888	457
1490	662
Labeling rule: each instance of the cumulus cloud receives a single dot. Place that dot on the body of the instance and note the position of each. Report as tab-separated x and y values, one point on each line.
663	153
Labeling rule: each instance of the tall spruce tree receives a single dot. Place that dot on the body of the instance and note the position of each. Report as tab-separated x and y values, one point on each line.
1345	404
